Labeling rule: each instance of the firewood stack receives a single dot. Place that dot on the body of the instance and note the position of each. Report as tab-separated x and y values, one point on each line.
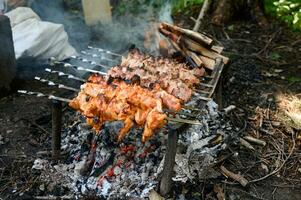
194	46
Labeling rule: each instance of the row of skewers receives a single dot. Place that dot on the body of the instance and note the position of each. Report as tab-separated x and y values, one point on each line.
100	99
142	90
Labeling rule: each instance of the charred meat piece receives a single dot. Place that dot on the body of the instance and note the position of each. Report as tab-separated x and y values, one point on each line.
100	101
172	76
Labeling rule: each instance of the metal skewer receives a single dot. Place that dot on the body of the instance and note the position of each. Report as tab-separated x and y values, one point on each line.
39	94
104	51
69	76
186	121
52	97
93	55
51	83
55	62
84	60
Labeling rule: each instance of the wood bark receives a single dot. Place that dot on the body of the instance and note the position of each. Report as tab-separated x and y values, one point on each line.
7	52
226	9
169	162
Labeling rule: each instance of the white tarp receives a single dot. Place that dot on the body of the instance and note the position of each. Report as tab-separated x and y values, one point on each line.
38	39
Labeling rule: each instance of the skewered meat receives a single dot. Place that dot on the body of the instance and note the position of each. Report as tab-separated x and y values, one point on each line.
118	101
173	77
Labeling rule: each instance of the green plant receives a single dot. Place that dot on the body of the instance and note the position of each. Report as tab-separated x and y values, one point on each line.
288	11
184	6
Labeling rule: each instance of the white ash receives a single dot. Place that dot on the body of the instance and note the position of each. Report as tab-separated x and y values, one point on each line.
132	169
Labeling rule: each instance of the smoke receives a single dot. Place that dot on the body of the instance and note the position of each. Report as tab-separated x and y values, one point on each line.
130	27
54	11
137	28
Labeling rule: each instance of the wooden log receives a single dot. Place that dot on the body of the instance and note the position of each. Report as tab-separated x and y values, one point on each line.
217	49
168	34
208	62
196	47
189	33
217	71
195	58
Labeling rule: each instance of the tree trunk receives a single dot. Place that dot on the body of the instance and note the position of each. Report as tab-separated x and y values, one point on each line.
226	9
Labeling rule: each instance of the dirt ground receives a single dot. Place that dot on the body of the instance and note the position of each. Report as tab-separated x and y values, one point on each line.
264	64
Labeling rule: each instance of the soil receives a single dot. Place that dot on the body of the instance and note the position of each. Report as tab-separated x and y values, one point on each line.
264	64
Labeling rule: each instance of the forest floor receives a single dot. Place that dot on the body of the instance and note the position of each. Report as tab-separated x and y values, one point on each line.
265	64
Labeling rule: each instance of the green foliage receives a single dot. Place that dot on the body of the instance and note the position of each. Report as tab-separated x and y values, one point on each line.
294	79
141	6
274	56
288	11
184	6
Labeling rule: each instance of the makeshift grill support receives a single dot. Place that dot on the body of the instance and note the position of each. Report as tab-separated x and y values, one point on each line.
56	129
166	181
169	162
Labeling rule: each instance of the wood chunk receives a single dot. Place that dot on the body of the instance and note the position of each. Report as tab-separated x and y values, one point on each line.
217	49
195	58
208	62
189	33
194	46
